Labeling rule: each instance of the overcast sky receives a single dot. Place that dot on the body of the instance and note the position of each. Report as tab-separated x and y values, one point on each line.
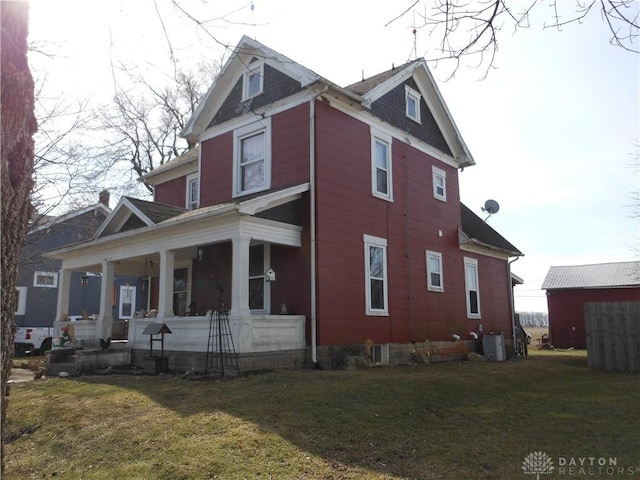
553	128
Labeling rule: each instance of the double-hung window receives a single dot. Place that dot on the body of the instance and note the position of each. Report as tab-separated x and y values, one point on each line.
412	103
381	172
439	183
472	287
193	191
252	158
376	280
434	271
21	301
258	286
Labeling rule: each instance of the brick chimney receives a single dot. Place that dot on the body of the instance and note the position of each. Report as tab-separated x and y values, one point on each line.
104	198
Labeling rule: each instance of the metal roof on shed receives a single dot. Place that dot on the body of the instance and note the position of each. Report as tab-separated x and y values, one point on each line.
601	275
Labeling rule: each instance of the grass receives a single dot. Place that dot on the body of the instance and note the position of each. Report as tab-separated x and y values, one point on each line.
459	420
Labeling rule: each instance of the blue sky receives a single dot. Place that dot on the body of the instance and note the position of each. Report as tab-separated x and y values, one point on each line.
552	128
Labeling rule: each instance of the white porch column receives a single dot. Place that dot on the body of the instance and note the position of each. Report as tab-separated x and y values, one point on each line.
165	294
105	318
240	277
64	289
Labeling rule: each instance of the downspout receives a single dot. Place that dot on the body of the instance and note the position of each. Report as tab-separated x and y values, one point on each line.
512	306
312	226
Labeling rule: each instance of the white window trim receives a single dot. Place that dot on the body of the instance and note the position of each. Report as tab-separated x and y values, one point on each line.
435	174
255	128
21	300
371	241
467	262
414	95
379	136
194	177
430	286
54	275
255	67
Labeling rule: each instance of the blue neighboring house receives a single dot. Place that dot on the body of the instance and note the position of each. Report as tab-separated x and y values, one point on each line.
37	284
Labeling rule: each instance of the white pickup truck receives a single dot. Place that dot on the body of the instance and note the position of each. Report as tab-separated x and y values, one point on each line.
33	340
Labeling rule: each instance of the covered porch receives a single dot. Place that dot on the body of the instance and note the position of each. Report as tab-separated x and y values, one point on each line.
192	264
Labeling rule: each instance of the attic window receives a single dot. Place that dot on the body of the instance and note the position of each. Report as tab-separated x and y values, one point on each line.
412	101
253	80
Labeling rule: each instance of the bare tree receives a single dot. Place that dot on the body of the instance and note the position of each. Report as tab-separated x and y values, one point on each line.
469	29
146	119
17	127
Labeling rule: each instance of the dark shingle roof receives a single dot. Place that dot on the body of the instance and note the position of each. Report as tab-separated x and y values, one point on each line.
601	275
479	230
156	212
370	83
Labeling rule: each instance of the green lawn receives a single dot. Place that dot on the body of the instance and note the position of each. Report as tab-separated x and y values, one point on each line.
458	420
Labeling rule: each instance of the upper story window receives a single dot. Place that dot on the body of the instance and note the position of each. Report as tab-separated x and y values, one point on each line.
381	181
252	158
376	291
412	102
472	287
434	271
252	82
193	191
439	184
45	279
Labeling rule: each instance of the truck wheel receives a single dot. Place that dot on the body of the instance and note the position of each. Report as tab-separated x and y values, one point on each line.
46	345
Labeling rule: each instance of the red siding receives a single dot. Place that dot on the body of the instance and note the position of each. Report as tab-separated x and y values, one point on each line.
346	210
566	312
173	192
289	157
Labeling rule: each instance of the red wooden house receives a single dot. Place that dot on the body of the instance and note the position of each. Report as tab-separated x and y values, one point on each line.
570	287
326	218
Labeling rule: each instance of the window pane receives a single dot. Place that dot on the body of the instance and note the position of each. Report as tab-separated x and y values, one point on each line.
253	148
411	107
472	279
382	155
254	84
256	260
377	294
473	301
435	279
256	293
382	184
252	176
434	264
376	265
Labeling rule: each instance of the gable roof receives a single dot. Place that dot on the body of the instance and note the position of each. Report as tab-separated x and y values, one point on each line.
363	93
478	232
143	212
48	222
601	275
235	66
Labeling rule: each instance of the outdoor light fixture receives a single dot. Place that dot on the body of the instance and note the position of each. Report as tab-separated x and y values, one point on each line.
200	253
84	280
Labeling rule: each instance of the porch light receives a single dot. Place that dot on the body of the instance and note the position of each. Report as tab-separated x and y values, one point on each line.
84	280
200	253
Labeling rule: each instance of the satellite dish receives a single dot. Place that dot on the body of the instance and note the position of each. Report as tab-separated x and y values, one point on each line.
491	207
